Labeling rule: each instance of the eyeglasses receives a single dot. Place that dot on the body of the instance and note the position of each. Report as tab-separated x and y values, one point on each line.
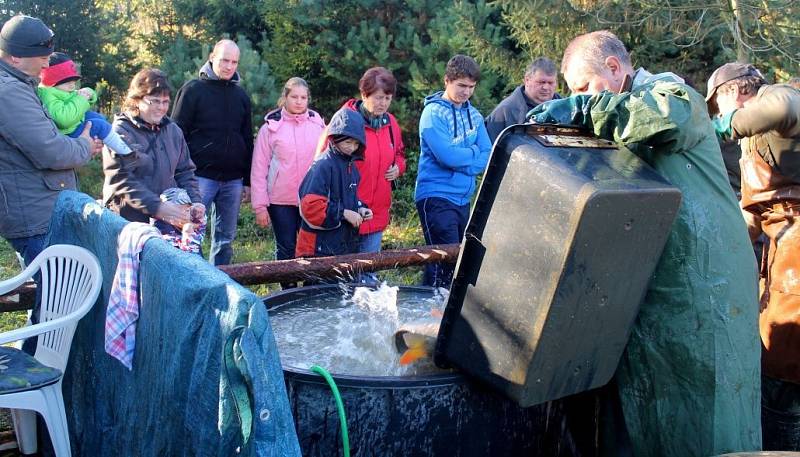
151	102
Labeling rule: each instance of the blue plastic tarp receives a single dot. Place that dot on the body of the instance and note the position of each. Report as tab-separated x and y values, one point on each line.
206	378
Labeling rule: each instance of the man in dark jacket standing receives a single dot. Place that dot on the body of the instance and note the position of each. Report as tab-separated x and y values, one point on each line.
214	113
539	86
36	161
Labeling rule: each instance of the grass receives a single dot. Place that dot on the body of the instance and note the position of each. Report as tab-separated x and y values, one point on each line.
9	266
252	243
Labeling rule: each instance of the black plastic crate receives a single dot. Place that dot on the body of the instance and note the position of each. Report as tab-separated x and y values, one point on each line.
564	236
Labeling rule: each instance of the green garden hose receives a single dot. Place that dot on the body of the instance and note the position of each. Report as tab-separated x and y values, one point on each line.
339	406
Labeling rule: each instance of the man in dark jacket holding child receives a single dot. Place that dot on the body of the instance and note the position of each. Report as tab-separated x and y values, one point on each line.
36	161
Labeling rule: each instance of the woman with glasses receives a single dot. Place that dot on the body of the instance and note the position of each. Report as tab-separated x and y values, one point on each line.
160	158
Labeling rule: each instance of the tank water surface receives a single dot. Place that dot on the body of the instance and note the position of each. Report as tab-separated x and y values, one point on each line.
351	331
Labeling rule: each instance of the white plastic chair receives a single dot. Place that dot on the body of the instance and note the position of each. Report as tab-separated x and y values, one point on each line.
70	283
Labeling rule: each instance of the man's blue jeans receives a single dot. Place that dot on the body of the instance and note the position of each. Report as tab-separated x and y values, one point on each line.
29	247
223	216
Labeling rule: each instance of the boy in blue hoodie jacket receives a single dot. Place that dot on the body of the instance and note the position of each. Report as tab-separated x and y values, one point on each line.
454	149
330	210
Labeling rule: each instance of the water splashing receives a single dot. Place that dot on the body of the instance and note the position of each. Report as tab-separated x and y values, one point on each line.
351	333
380	302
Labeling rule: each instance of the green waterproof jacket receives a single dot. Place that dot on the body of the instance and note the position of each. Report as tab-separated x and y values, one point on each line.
66	108
689	379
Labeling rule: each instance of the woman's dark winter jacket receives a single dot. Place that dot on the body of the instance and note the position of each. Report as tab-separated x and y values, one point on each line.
160	160
329	188
215	116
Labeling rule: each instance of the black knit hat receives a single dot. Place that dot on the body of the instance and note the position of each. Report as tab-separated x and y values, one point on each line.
25	36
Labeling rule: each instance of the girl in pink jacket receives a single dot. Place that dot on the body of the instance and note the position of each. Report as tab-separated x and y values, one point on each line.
283	153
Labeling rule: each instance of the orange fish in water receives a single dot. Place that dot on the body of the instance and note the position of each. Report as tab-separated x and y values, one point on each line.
416	340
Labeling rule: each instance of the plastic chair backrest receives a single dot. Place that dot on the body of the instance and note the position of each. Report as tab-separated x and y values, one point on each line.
70	283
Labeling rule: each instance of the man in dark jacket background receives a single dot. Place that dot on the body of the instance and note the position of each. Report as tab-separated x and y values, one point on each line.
214	113
539	86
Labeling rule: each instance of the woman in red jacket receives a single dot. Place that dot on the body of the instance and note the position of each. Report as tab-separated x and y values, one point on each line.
384	158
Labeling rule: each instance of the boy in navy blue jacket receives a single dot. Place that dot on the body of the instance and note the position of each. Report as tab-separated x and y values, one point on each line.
454	149
329	207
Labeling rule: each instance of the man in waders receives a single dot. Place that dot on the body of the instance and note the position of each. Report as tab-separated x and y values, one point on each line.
766	121
689	379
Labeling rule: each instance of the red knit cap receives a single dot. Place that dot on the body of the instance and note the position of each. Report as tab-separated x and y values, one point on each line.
62	69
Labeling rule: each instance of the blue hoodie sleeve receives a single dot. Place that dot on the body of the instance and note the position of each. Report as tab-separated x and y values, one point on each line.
483	149
435	133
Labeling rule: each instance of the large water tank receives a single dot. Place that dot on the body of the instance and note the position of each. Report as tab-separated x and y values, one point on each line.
434	415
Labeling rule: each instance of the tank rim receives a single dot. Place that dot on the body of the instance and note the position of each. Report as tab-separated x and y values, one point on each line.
377	382
283	296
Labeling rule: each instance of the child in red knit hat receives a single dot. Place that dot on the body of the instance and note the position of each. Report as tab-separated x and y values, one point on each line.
69	106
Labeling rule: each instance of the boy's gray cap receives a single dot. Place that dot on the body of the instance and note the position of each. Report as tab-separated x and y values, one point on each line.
25	36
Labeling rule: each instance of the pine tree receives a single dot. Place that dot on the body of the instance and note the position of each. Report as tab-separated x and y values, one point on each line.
331	45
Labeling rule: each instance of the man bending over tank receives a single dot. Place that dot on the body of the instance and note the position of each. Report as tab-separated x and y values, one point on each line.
689	377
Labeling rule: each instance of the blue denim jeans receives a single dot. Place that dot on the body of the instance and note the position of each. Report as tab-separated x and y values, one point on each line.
29	247
371	242
780	414
442	223
226	197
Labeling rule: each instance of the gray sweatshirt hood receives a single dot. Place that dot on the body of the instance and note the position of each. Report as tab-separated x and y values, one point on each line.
207	73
